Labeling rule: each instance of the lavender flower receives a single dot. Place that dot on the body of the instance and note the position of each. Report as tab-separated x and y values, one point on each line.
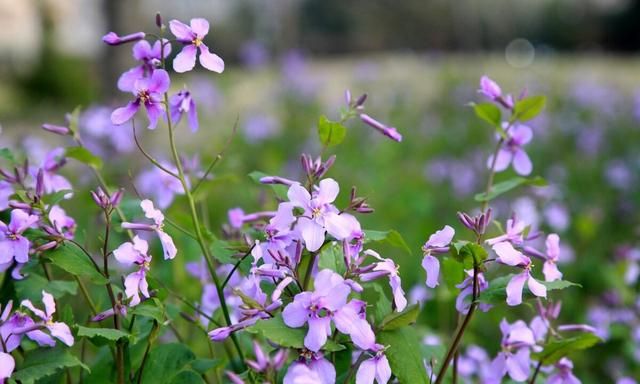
437	243
51	181
151	58
510	256
63	225
135	253
191	37
310	368
564	374
7	365
376	368
550	268
168	247
514	359
182	103
147	91
492	91
512	152
386	267
58	330
159	184
13	245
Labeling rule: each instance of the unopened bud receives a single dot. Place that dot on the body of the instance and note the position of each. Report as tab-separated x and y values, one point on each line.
158	20
57	129
112	38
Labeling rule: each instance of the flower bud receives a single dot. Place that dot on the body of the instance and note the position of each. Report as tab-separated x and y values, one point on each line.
57	129
159	20
112	38
220	334
116	197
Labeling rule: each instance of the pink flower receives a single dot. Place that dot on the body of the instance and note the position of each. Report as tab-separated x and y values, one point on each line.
316	370
191	37
512	151
13	245
7	365
376	368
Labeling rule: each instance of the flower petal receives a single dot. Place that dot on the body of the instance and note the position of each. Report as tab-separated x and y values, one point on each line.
185	60
312	233
62	332
522	163
366	372
7	365
536	287
319	330
514	288
200	27
180	30
432	266
124	114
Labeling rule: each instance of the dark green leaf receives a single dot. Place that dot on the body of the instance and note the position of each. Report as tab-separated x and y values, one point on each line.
330	132
44	362
165	362
277	331
221	251
379	304
73	260
101	335
332	257
397	320
32	286
391	237
557	349
496	293
149	308
84	156
187	377
488	112
204	365
505	186
529	107
470	254
404	354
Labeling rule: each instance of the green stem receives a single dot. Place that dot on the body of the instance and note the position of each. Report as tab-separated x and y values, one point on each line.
86	295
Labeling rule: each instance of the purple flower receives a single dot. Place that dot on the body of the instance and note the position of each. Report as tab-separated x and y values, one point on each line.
13	245
58	330
517	340
53	161
151	58
63	225
191	37
7	365
320	215
264	362
466	289
328	302
182	103
113	38
437	243
513	234
510	256
564	374
492	91
550	268
135	253
376	368
314	369
512	152
386	267
147	91
168	247
390	132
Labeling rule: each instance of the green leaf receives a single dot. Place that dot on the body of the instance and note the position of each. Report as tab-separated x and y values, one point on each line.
391	237
187	377
557	349
84	156
166	362
101	336
149	308
330	132
529	107
452	272
397	320
280	190
488	112
497	291
277	331
469	254
332	257
204	365
6	154
73	260
220	250
56	197
404	354
31	287
380	305
505	186
44	362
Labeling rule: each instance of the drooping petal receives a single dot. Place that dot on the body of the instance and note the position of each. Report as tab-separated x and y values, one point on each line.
200	27
553	246
366	372
168	247
124	114
61	332
325	370
348	321
300	373
154	112
431	265
132	287
383	370
536	287
550	271
49	304
186	59
514	288
441	238
21	249
192	117
41	338
522	163
502	162
7	365
210	60
319	330
126	254
399	299
6	251
180	30
312	233
338	226
36	311
127	80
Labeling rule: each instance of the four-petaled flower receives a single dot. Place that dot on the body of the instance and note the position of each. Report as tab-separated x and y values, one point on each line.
13	245
512	152
148	92
192	36
386	267
511	256
58	330
151	58
514	359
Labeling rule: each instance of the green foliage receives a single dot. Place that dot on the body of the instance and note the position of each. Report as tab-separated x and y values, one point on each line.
169	364
332	257
220	250
152	309
101	336
404	354
330	132
391	237
452	271
469	254
279	189
507	185
488	112
84	156
397	320
557	349
73	260
31	288
277	331
529	107
44	362
496	293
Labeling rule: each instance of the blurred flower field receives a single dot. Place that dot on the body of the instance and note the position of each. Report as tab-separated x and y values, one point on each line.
261	117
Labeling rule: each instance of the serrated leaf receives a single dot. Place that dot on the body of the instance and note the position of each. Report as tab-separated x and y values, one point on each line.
529	107
220	250
73	260
496	293
280	190
84	156
330	132
332	257
391	237
404	354
278	332
397	320
505	186
165	362
44	362
557	349
101	335
488	112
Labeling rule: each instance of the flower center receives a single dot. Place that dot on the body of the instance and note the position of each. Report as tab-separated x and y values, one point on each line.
144	96
316	212
196	41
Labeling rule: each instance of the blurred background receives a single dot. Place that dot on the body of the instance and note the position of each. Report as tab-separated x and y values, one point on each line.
289	61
